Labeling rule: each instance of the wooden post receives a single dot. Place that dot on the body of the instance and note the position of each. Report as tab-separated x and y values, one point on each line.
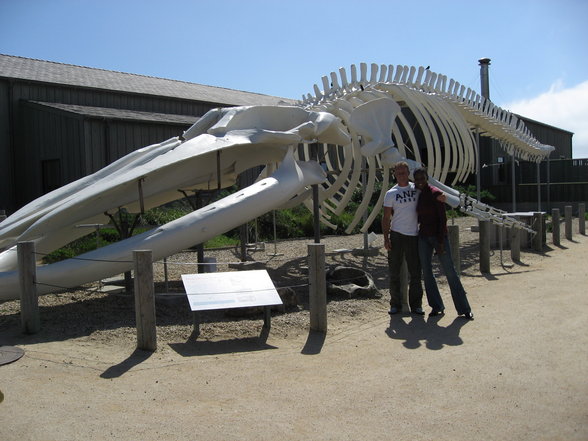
485	226
538	226
568	227
582	217
453	233
29	299
515	244
318	287
555	226
145	301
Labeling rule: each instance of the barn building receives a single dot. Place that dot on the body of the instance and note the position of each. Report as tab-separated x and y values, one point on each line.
61	122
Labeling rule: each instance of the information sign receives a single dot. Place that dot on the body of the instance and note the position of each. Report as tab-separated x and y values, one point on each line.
233	289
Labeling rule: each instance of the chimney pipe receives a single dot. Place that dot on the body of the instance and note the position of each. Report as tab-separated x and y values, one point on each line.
484	79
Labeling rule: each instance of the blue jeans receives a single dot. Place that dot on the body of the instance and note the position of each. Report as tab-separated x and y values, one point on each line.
405	247
460	300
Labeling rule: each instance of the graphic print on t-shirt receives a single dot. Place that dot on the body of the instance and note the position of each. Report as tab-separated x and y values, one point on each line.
406	196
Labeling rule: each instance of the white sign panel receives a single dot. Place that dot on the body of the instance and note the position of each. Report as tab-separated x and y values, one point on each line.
233	289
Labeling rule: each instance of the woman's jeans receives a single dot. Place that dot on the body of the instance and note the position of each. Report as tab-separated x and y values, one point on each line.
426	249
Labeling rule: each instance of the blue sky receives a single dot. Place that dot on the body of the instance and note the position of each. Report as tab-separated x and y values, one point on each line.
539	48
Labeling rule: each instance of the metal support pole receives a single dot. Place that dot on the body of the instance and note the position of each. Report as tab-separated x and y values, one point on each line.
364	187
145	300
197	205
275	253
29	299
478	191
484	232
548	189
315	213
165	275
317	287
141	200
315	201
538	187
514	187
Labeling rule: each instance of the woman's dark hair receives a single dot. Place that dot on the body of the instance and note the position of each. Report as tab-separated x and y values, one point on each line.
420	170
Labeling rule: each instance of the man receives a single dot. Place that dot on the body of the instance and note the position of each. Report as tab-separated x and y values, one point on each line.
400	229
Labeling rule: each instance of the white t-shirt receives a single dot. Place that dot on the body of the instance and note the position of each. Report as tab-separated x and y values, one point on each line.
403	201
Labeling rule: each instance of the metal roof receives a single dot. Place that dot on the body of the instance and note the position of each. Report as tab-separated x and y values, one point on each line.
29	69
119	114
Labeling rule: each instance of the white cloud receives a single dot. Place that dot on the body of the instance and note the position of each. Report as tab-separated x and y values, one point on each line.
566	108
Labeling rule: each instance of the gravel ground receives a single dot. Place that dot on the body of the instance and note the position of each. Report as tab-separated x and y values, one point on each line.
109	318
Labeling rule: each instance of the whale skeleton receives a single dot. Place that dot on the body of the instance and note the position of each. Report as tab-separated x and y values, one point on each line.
343	138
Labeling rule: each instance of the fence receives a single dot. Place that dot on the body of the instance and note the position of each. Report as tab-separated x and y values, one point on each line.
549	184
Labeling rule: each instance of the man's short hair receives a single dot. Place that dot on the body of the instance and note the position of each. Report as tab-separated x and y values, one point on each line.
401	164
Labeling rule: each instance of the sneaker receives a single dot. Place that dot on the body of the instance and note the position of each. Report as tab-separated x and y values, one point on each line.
418	311
394	310
468	316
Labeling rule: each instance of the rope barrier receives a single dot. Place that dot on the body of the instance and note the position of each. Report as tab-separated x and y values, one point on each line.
94	291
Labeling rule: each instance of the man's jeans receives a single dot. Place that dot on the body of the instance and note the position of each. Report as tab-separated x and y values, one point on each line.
405	247
426	248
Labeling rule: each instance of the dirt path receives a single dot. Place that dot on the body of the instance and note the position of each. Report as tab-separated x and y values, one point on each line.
518	372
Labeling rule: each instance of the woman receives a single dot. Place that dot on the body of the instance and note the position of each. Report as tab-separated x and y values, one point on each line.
433	237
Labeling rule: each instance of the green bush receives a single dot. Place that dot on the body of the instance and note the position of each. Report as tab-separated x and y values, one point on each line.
162	215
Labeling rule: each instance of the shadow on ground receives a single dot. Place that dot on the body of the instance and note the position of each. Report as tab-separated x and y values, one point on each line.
419	331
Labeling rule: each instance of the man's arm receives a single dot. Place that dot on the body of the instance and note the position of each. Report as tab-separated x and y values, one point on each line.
388	213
